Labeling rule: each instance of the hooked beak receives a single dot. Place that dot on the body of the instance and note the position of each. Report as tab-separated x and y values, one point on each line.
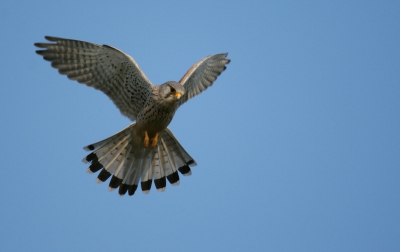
178	95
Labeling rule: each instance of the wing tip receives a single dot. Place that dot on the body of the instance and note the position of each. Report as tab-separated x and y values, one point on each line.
51	38
40	45
40	52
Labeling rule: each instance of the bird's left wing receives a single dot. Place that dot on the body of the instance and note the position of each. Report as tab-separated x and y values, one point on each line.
102	67
202	75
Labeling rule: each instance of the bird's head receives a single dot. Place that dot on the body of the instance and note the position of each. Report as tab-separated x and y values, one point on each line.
172	91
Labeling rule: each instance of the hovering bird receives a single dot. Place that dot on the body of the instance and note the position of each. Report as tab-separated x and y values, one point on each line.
146	150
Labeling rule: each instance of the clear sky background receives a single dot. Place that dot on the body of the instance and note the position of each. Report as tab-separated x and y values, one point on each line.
297	142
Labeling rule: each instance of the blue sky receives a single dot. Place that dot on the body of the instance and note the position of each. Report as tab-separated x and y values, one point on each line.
297	142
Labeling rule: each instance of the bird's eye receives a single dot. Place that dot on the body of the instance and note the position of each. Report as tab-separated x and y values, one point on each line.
173	90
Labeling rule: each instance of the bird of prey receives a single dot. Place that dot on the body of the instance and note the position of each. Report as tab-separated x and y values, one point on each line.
146	150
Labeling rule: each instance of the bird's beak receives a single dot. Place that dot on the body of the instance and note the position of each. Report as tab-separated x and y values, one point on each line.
178	95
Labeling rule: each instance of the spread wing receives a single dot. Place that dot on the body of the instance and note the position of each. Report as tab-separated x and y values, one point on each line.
102	67
202	75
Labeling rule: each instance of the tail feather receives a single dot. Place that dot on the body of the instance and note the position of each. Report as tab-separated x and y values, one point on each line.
96	146
134	173
132	189
179	153
104	147
116	156
166	159
128	158
103	176
157	169
120	156
174	178
115	182
123	188
121	161
107	152
147	172
167	165
146	168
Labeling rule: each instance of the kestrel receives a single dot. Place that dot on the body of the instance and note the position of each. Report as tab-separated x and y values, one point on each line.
146	150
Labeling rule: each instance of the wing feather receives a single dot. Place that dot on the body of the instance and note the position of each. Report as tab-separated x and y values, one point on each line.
102	67
202	75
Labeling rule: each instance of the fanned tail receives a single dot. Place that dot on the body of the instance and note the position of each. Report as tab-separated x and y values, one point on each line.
129	162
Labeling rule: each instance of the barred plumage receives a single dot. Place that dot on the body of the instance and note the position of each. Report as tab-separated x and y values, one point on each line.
146	150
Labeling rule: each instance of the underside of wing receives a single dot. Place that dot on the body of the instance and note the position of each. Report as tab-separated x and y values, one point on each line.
202	75
102	67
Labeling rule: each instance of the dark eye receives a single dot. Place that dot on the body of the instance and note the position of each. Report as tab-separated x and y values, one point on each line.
172	90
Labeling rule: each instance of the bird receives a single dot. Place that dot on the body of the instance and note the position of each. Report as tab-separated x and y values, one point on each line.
146	150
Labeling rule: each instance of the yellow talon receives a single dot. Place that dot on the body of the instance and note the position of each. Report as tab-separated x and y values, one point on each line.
146	140
154	141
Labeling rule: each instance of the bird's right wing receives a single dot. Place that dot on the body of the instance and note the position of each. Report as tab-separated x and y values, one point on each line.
102	67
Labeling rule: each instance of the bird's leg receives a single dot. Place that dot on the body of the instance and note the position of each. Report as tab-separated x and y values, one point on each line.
146	140
154	141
